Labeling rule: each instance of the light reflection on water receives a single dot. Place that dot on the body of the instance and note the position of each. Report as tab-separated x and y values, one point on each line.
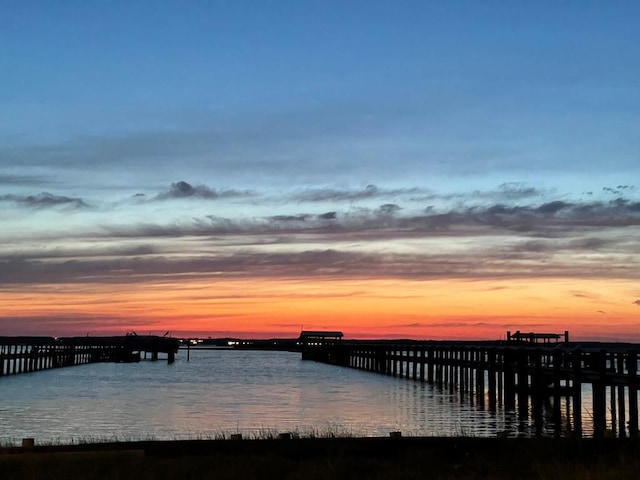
224	391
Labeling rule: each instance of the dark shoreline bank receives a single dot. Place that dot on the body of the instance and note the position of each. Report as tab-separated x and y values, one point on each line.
335	458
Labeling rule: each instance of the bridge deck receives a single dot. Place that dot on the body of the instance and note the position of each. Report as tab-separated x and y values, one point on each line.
28	354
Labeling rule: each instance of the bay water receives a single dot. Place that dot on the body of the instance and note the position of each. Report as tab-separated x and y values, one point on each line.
220	392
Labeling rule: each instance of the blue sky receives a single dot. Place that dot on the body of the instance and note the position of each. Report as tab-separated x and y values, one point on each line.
139	120
324	92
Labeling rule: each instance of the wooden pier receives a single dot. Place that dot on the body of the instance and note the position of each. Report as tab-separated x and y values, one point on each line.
534	380
31	354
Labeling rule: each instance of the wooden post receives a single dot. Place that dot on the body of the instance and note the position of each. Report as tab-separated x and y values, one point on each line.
599	394
394	363
632	368
447	366
557	358
500	374
462	370
491	372
523	384
15	359
509	380
577	392
622	426
480	369
614	409
538	392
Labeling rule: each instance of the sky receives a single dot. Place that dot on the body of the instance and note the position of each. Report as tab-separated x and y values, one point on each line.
390	169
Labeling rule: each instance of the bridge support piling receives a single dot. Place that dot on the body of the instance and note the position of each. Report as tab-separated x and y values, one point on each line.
632	368
577	392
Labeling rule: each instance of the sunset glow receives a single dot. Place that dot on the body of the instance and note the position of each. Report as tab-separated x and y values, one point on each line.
363	308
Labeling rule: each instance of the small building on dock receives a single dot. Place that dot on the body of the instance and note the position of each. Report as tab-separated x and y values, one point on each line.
532	337
317	338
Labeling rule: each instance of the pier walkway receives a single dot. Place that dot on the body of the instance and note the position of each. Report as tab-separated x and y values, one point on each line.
532	379
30	354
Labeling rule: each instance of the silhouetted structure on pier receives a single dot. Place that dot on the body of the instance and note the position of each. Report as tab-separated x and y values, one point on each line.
30	354
532	337
315	338
523	376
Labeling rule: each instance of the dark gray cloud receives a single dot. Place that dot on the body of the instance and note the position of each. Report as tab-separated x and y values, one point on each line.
637	302
389	209
243	260
45	200
619	190
516	191
550	239
552	208
290	218
352	195
183	189
535	223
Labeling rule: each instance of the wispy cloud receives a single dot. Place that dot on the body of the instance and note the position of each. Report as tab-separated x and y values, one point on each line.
183	189
45	200
30	180
352	195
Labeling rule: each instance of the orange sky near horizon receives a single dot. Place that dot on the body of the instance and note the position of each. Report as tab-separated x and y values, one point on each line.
361	308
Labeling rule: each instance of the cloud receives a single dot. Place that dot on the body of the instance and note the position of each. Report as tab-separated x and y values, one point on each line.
352	195
619	190
552	208
637	302
587	295
45	200
517	190
21	179
389	209
183	189
539	226
256	256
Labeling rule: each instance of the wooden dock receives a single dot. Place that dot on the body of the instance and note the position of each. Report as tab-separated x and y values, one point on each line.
519	376
31	354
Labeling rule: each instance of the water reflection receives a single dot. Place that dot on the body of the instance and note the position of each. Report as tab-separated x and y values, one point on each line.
246	391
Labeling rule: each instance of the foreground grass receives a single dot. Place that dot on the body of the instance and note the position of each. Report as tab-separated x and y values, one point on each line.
330	458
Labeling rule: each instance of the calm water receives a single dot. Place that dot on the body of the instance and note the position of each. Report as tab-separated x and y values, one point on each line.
224	391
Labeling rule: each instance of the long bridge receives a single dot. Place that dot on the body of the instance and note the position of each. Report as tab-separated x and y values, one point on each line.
30	354
529	374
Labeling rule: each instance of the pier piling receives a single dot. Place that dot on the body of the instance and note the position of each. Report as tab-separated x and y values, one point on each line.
521	375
